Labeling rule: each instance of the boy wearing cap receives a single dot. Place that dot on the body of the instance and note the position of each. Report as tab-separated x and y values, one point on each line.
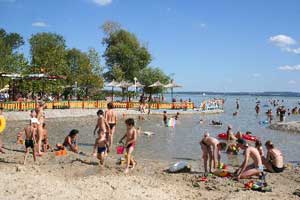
245	170
30	134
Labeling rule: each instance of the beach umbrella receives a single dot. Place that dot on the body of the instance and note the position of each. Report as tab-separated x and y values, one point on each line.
112	85
172	85
157	84
125	85
139	85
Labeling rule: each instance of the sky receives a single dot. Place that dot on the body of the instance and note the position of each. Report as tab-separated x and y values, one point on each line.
213	45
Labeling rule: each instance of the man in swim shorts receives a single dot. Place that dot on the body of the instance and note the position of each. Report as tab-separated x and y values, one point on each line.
247	170
31	132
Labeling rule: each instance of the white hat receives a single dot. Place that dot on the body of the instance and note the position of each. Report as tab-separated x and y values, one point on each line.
34	121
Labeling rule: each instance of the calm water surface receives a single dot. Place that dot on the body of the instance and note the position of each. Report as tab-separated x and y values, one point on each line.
181	142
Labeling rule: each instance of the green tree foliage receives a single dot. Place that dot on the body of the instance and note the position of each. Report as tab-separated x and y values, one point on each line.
150	75
125	54
94	58
82	69
11	61
48	54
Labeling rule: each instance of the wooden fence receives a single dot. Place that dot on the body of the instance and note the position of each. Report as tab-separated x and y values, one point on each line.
23	106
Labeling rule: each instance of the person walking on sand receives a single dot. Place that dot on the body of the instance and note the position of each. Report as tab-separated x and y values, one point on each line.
103	126
165	118
274	160
30	137
131	138
100	147
111	118
245	170
210	147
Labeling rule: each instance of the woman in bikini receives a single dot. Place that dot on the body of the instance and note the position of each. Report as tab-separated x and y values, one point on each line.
40	115
111	118
274	160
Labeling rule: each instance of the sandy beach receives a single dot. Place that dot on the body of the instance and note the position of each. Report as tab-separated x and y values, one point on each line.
80	177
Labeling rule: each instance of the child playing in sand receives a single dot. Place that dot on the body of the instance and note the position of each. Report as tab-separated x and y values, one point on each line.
30	137
131	136
45	140
100	145
70	142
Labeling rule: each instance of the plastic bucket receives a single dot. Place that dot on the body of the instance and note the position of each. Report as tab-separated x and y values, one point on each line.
120	149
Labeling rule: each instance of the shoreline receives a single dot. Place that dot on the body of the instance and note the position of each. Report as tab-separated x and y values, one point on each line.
65	113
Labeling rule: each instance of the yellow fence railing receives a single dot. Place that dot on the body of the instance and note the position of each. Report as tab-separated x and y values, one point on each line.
23	106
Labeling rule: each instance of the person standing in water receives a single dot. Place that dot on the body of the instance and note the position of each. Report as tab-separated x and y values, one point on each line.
111	118
237	104
257	109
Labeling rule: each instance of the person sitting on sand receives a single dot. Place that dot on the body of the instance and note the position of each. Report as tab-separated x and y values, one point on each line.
165	118
101	145
31	132
70	142
245	170
274	160
131	138
258	146
210	147
230	135
102	125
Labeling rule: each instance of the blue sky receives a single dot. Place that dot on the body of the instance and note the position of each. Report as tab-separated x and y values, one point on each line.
215	45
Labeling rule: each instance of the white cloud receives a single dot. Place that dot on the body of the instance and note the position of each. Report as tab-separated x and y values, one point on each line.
39	24
290	68
256	75
102	2
292	82
292	50
282	40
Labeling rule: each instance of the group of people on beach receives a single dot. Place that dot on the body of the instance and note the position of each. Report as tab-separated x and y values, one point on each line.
36	136
211	154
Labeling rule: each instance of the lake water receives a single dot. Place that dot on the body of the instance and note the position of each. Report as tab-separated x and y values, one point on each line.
182	142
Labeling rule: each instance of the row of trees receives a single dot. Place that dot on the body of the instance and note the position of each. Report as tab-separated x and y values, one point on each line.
125	58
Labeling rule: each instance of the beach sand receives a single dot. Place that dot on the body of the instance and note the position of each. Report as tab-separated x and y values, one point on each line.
80	177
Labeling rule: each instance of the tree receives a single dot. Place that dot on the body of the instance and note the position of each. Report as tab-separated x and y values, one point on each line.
149	75
125	54
48	54
110	27
11	61
94	58
82	71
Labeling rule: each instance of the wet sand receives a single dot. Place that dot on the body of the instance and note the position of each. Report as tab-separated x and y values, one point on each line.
293	126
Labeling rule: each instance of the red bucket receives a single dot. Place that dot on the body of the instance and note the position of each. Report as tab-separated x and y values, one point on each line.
120	149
